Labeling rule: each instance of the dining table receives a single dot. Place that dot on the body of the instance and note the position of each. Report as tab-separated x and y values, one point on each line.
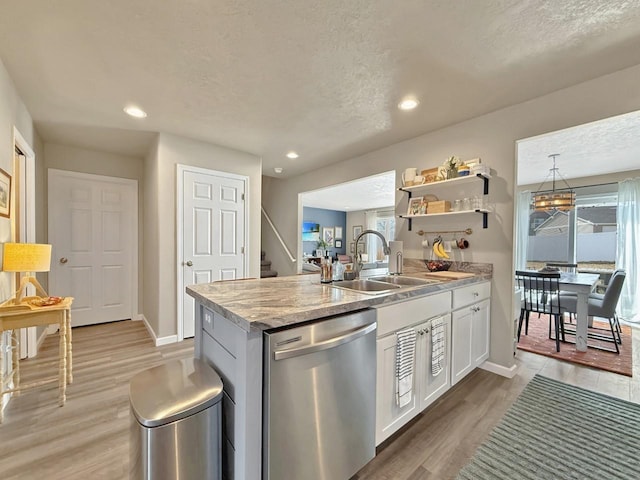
582	284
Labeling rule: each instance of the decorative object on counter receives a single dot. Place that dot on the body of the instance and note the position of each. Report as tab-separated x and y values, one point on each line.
338	233
357	230
326	272
563	199
395	257
338	271
438	265
408	176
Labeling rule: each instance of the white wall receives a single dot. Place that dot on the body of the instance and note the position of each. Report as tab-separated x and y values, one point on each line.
160	178
491	137
75	159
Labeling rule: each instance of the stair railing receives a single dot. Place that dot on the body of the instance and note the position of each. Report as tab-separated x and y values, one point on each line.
291	257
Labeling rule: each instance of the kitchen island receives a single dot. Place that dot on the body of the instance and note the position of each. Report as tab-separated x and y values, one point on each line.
231	318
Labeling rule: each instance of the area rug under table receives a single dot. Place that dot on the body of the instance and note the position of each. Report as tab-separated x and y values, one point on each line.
537	341
558	431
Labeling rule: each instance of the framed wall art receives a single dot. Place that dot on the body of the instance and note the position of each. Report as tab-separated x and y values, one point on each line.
5	194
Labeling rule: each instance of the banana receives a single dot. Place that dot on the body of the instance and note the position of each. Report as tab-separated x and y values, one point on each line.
435	248
441	251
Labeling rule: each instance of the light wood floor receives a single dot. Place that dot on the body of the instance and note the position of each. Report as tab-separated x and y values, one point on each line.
88	437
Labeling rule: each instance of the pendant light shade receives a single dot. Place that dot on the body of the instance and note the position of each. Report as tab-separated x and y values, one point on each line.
563	199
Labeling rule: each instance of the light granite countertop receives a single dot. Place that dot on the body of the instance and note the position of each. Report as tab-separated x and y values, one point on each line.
262	304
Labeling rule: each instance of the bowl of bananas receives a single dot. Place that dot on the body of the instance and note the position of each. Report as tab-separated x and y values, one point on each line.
438	265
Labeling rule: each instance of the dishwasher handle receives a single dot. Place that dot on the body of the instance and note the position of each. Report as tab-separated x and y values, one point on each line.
325	345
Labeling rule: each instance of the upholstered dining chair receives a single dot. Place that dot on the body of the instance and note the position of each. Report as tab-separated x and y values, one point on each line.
603	306
541	295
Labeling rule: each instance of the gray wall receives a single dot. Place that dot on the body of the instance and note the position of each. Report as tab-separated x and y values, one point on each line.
75	159
491	137
160	218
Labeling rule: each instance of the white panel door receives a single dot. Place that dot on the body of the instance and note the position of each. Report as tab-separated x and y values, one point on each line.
213	233
92	224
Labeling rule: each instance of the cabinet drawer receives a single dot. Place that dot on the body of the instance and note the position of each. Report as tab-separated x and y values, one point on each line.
467	295
221	361
399	315
224	331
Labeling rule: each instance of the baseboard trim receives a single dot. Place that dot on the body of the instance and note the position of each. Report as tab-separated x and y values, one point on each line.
158	341
501	370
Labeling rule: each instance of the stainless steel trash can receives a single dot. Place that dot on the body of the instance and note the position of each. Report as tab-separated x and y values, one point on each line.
175	430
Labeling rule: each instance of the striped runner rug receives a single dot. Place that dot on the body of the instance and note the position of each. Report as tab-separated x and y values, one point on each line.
558	431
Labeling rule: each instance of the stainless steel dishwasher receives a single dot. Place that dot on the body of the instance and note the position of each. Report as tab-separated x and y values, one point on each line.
319	398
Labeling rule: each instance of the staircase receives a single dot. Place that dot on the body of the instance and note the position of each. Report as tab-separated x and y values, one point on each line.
265	267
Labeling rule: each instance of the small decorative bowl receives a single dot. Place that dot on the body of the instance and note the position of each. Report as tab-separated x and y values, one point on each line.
438	265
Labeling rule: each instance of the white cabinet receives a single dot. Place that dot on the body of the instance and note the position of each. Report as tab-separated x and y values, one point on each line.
390	417
431	386
419	315
426	386
470	330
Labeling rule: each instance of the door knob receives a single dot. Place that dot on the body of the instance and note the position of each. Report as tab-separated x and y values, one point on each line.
64	260
189	263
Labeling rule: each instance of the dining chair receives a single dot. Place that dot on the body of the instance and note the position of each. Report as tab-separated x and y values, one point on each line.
541	294
603	306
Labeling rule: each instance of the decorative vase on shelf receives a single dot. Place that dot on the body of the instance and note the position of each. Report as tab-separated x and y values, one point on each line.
451	173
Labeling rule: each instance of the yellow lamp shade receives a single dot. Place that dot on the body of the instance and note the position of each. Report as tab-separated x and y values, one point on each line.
26	257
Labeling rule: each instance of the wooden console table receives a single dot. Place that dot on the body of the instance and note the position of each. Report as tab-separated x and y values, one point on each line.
14	317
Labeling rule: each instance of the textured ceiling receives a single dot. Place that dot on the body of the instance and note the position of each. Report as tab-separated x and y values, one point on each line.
370	193
597	148
323	78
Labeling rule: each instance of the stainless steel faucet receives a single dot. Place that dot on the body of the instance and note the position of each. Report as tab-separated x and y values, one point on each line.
385	248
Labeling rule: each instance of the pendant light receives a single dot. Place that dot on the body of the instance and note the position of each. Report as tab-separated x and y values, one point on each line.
563	199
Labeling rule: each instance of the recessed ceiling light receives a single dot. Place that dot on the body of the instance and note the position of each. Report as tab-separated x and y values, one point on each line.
135	112
292	155
277	169
408	104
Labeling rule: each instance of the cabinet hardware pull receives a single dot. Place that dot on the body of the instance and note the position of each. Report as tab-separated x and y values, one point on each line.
475	294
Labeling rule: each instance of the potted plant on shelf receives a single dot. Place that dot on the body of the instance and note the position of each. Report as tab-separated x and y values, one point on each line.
451	165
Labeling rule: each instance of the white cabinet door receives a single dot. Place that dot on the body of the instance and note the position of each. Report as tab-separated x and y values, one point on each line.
462	361
431	387
390	417
480	329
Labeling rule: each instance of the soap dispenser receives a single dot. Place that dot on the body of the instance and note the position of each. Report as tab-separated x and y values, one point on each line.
326	270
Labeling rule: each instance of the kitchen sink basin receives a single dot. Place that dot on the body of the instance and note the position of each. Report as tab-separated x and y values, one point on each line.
365	286
405	281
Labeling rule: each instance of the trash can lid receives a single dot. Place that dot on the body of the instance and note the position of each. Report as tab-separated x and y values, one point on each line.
173	390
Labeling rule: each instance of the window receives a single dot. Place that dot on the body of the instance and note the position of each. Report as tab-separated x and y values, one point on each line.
586	235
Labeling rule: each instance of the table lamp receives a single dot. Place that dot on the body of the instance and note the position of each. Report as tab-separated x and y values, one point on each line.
26	258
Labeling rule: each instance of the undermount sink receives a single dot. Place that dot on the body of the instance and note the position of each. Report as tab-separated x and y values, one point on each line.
407	281
365	286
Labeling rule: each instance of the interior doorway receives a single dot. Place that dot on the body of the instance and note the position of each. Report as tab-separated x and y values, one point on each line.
93	230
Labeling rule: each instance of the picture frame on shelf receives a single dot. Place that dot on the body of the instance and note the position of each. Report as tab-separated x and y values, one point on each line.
417	206
357	230
328	235
338	233
5	194
338	243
